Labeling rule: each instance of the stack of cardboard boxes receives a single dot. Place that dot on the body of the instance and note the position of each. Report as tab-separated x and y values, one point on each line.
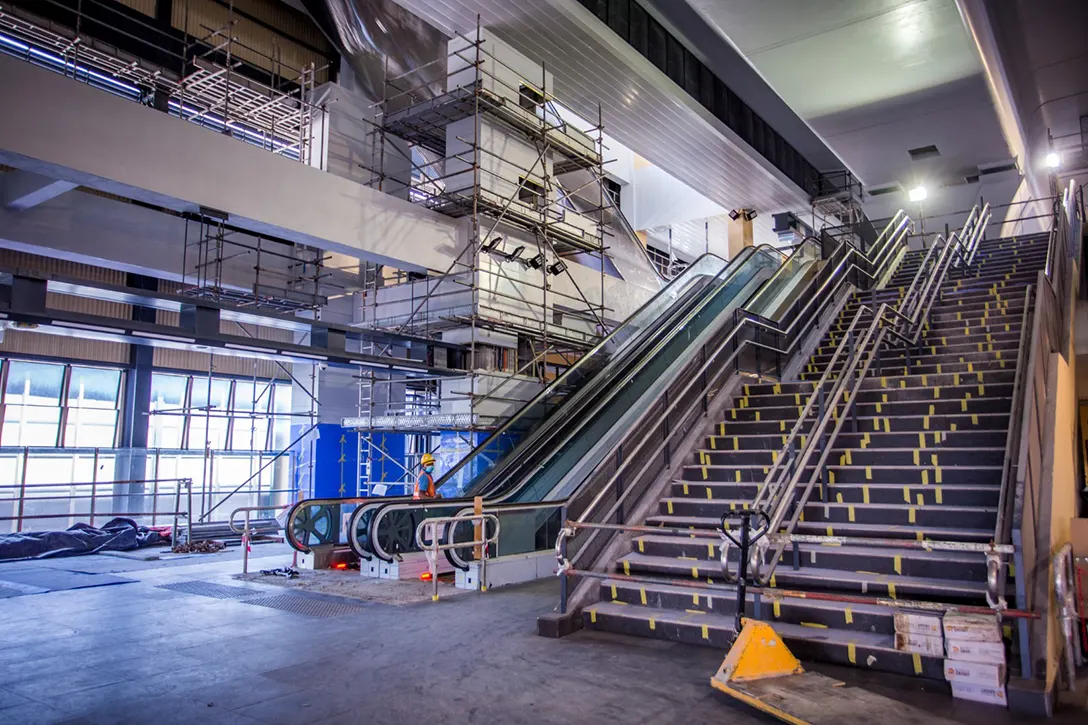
970	643
919	634
975	657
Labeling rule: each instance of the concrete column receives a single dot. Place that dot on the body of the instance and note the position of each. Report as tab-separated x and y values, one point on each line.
135	415
740	234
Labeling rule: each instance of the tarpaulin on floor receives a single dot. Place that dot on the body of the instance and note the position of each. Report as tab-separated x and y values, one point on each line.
116	535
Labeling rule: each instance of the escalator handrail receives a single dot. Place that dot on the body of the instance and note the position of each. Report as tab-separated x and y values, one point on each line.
568	373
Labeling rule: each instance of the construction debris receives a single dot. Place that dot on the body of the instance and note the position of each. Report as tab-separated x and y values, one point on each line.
285	571
204	546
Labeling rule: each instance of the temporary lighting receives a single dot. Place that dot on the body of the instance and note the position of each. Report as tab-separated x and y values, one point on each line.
535	262
515	254
918	193
1053	161
750	215
734	214
491	245
558	268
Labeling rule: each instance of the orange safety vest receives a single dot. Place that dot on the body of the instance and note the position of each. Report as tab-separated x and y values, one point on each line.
424	487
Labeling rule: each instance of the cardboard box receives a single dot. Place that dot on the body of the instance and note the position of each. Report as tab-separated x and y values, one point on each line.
972	627
991	653
926	624
980	693
974	673
920	643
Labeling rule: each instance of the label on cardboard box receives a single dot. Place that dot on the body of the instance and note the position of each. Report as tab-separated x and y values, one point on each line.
980	693
919	643
926	624
974	672
972	627
992	653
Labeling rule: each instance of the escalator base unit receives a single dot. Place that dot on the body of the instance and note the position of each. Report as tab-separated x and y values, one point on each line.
411	567
327	557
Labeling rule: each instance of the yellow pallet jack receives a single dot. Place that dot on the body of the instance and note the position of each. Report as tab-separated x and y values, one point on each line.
762	672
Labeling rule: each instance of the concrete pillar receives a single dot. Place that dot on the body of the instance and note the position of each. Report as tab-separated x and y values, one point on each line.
131	463
740	234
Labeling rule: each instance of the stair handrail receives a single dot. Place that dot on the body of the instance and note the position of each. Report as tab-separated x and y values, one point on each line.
774	486
1042	330
919	287
894	236
777	494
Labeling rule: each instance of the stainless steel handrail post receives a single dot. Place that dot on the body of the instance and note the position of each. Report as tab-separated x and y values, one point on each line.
435	546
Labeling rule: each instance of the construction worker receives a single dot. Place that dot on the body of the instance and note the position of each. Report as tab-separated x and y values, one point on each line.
425	481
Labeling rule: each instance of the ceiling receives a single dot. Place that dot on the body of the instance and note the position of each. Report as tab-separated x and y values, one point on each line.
641	107
827	56
874	78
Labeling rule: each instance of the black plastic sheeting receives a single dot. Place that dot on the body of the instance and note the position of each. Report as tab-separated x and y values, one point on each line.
116	535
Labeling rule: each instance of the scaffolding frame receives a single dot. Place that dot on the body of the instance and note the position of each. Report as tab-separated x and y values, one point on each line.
205	87
555	326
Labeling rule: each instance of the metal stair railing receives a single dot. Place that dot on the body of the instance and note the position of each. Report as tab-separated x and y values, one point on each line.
1045	329
778	493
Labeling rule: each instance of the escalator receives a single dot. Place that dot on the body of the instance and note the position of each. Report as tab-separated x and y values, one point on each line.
704	289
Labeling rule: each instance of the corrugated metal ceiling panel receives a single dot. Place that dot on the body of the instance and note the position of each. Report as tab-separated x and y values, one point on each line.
642	107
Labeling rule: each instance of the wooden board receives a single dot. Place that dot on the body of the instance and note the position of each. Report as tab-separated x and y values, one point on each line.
814	699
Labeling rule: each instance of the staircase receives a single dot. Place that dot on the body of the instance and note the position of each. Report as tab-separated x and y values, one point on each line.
924	463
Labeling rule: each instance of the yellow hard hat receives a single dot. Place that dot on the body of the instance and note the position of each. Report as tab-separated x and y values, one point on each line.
428	459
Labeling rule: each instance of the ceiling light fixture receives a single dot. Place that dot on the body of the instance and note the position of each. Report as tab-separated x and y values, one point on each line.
734	214
918	193
1053	160
750	214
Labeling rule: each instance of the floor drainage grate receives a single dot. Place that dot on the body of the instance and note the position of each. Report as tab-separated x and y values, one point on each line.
306	606
211	589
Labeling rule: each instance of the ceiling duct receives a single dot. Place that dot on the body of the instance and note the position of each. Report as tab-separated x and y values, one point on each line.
370	33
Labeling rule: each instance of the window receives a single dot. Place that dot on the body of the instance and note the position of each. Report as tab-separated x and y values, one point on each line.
91	416
52	404
531	191
191	412
166	425
32	404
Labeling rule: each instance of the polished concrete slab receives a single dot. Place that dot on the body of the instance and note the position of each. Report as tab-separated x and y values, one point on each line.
138	653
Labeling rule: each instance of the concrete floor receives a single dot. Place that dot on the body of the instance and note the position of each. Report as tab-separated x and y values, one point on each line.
134	653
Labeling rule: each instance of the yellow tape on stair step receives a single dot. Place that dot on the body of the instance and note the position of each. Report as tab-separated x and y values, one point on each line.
925	477
938	495
738	475
704	473
865	494
921	500
916	456
917	658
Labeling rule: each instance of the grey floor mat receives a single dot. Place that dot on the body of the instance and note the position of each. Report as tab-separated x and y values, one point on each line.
37	581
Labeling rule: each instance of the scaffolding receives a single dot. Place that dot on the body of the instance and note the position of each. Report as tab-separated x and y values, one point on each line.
533	205
201	81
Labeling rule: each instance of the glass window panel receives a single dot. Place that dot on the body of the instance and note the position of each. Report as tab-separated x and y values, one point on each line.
164	431
28	425
93	388
215	397
281	433
282	403
249	434
248	396
210	431
167	391
33	383
91	428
